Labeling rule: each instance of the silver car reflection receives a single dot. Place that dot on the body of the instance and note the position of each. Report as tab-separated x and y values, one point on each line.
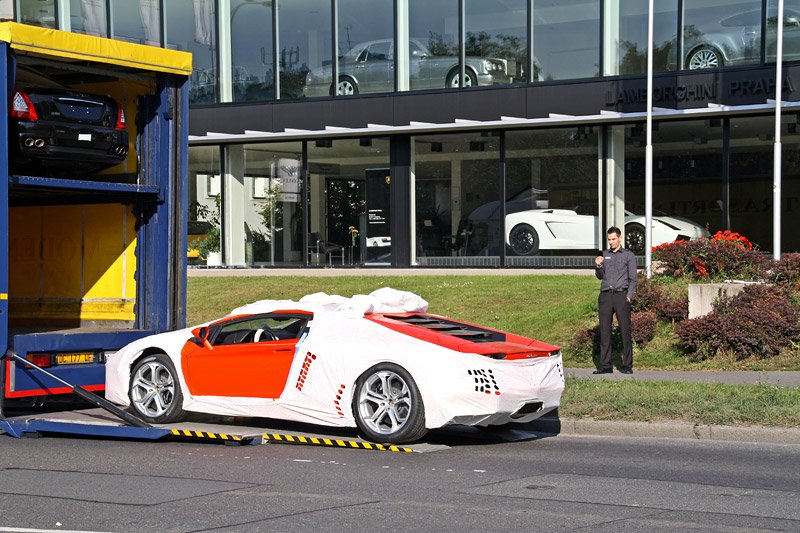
736	39
369	67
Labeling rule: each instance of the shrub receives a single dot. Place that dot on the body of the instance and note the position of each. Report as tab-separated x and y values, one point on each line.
643	327
585	344
786	271
724	256
760	321
651	296
673	309
700	337
648	294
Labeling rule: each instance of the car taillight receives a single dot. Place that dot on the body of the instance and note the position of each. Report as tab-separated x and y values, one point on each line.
22	107
39	359
120	118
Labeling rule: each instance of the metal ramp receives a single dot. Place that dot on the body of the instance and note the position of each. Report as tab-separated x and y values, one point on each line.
99	423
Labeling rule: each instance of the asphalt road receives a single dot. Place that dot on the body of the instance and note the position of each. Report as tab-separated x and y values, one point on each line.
467	482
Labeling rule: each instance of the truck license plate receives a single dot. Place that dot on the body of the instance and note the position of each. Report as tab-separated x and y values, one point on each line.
74	358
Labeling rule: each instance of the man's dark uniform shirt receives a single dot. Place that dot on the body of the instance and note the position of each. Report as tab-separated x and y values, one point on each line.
618	272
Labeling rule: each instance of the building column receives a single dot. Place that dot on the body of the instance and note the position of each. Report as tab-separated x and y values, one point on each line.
400	194
233	197
615	184
611	37
402	59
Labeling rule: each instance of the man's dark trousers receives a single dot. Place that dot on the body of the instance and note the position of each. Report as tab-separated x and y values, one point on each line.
611	302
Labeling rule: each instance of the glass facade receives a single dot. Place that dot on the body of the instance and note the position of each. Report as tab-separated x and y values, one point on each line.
192	27
497	30
205	205
304	55
791	30
89	17
721	32
349	202
253	68
37	13
687	155
566	38
266	209
561	187
365	47
457	193
137	22
626	36
552	194
433	44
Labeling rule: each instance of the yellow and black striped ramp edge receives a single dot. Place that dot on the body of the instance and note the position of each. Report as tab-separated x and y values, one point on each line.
206	435
336	443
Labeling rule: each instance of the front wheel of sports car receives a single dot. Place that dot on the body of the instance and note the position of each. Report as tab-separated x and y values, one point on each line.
524	240
155	391
388	406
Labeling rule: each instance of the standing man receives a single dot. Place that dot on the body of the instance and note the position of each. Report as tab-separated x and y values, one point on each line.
616	268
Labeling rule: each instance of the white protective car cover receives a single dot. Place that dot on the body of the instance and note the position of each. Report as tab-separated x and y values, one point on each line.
341	345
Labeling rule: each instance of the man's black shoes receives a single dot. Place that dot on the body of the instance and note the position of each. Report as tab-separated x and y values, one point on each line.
625	371
603	371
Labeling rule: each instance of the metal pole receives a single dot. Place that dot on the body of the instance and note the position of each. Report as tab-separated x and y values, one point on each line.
776	156
648	154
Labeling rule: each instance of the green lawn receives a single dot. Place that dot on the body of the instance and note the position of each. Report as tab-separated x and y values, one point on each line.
697	403
551	308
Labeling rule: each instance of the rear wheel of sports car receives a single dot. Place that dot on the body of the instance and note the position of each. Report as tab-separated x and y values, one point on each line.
155	391
524	240
634	238
388	406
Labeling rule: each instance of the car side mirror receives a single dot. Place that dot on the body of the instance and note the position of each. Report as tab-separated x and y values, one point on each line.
200	338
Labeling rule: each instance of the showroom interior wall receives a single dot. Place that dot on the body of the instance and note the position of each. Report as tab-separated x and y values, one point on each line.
291	159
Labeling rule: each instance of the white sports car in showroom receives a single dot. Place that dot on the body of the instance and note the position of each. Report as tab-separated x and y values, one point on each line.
529	231
378	362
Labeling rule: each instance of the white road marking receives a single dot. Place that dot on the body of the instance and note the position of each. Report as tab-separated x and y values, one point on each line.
29	530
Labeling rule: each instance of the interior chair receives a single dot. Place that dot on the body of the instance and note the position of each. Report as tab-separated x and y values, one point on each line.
330	249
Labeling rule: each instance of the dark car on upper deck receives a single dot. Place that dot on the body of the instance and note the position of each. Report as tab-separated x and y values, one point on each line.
58	131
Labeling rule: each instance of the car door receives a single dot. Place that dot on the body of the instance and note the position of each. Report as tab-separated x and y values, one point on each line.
375	71
243	356
572	230
419	65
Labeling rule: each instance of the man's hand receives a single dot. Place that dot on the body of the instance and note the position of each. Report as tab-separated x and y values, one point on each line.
598	261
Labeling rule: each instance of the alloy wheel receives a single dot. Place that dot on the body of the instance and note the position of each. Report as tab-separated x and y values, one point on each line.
153	389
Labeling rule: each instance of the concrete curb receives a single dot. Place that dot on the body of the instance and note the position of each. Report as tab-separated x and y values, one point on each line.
666	430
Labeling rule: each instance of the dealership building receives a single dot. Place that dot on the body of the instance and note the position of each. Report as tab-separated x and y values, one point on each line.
470	133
